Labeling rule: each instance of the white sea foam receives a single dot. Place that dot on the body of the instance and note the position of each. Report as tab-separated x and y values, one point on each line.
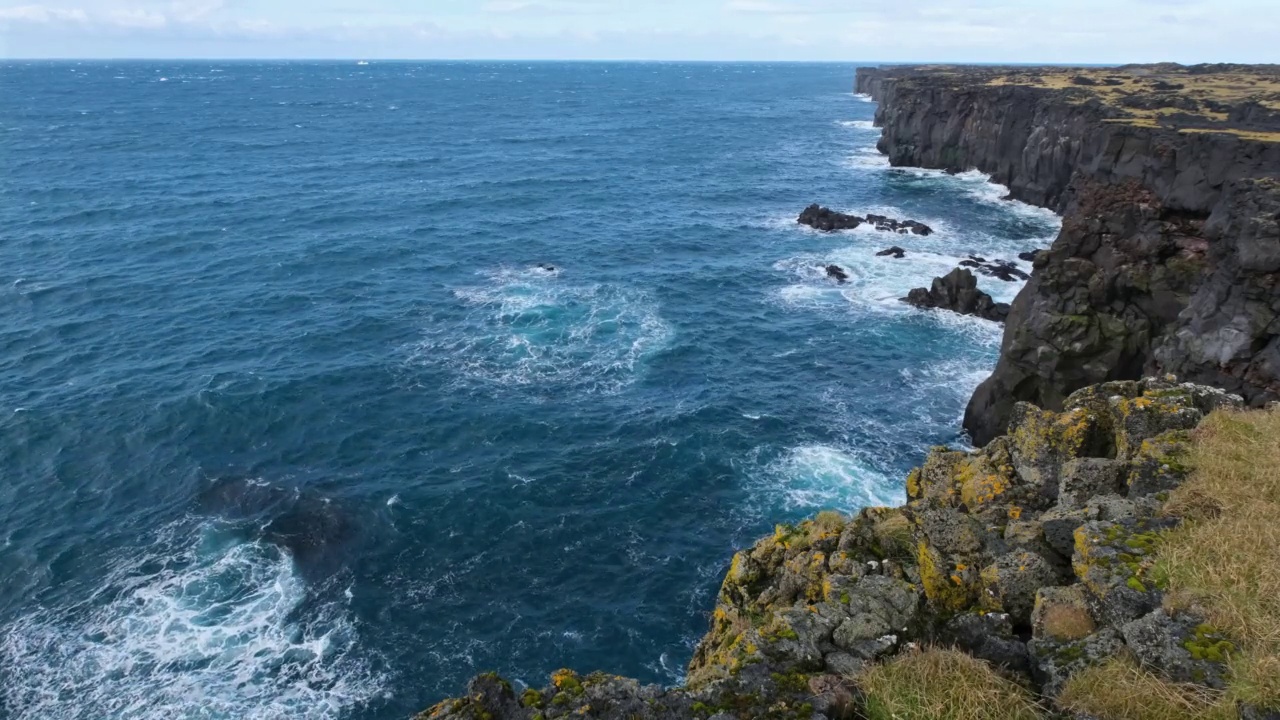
527	327
214	630
823	476
858	124
867	157
864	97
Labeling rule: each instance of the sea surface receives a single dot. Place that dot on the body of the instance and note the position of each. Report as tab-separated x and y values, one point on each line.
294	425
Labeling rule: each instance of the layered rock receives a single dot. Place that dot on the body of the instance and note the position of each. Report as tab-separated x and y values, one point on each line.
1034	553
958	292
1170	244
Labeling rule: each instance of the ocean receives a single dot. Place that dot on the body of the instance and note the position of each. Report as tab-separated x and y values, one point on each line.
325	386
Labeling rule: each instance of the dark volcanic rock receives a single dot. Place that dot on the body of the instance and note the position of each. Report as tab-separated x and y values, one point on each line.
1167	259
1028	256
837	272
1001	269
897	252
958	292
827	220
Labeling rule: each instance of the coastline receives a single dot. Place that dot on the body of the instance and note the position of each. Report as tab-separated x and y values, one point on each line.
996	545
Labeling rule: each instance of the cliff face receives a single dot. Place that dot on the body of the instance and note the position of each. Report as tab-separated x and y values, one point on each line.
1170	243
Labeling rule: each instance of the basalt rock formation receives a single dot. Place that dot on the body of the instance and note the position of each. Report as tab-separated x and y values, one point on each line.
958	292
827	220
1034	554
1168	179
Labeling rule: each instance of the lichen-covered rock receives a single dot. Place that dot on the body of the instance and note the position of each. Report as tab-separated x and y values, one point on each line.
1113	560
1010	583
988	636
1183	649
1056	661
1084	478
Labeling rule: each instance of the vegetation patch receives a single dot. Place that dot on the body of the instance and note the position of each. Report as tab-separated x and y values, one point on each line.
1120	690
1225	557
938	684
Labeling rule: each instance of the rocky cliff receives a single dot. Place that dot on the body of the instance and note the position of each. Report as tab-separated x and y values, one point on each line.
1168	179
1035	555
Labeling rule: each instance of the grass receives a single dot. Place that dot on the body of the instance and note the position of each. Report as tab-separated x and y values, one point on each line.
1225	557
1229	87
940	684
1120	690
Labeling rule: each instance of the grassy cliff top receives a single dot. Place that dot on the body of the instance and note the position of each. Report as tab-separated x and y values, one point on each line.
1242	100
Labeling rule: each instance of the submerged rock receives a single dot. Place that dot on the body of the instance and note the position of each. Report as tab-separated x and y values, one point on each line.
1002	269
837	272
896	252
958	292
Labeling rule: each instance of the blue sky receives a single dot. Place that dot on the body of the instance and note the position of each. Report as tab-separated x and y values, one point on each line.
1101	31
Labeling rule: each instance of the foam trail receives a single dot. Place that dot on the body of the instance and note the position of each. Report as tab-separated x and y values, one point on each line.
526	327
214	630
823	476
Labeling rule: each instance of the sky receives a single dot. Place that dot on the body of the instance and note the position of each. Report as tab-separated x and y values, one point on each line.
1048	31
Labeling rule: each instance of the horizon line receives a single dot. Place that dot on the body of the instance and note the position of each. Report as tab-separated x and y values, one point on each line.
356	58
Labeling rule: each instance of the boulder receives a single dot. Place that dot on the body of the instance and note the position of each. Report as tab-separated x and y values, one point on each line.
827	220
837	272
958	292
895	251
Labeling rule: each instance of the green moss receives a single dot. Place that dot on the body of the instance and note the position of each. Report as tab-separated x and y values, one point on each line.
1208	643
1135	584
702	709
791	682
531	698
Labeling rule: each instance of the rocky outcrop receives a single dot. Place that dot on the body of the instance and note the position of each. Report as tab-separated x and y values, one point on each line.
958	292
1005	270
827	220
1034	553
1170	244
895	252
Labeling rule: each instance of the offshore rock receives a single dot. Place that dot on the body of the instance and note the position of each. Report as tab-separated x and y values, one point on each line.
1169	254
965	563
827	220
958	292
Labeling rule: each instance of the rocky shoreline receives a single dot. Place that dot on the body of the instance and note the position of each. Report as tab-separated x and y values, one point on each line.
1168	179
1036	555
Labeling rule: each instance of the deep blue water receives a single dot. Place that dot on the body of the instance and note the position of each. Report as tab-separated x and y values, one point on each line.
292	425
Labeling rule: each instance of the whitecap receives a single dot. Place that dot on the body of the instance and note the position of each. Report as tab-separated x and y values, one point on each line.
814	476
524	327
211	628
858	124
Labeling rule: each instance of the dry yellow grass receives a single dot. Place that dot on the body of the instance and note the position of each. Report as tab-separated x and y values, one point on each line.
1119	690
1112	85
1066	622
938	684
1225	558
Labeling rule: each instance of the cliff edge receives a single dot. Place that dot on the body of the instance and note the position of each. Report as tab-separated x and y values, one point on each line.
1048	575
1168	179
